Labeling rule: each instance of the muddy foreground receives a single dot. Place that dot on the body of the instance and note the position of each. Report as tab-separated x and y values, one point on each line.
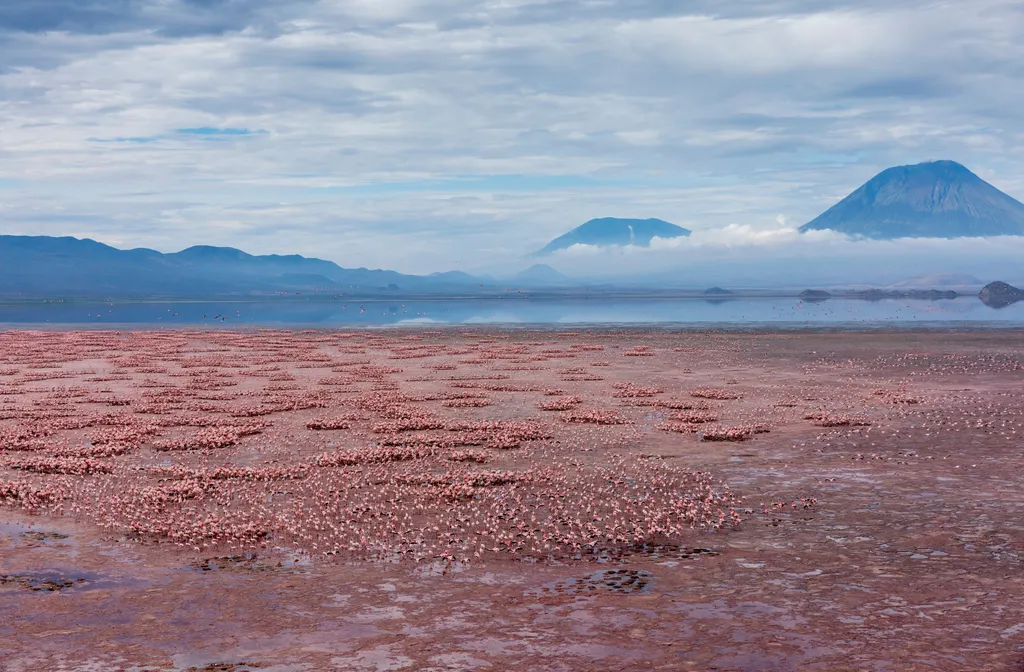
873	520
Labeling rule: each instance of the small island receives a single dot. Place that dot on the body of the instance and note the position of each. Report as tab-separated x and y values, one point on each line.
999	294
926	294
814	295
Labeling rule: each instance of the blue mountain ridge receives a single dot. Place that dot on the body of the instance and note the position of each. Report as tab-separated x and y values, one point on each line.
33	266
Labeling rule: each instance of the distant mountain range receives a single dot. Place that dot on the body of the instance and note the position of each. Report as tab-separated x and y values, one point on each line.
614	231
937	199
33	266
37	267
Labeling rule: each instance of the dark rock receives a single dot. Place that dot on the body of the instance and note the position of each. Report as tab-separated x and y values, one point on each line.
1000	294
814	295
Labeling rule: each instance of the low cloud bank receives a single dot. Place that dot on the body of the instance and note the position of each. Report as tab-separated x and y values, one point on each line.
781	254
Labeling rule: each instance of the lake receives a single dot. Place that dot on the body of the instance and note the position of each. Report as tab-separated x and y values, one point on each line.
694	312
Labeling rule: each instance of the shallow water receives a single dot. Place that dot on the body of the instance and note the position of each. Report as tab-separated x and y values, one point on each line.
323	312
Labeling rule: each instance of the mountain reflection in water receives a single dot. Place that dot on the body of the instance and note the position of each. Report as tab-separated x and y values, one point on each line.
719	312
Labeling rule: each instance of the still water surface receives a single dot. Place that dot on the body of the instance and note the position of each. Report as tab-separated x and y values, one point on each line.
778	312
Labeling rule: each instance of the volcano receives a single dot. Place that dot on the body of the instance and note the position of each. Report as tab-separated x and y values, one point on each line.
937	199
615	231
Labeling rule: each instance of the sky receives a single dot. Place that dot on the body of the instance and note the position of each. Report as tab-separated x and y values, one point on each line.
432	135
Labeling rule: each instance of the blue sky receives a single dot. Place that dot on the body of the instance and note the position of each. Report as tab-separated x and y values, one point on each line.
427	135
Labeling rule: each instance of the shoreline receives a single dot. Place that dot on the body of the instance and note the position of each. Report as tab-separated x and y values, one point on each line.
514	294
544	327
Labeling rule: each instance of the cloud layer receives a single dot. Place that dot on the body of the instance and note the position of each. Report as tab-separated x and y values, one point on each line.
428	135
748	256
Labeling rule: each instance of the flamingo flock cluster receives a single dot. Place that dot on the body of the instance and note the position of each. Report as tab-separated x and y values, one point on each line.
462	446
191	439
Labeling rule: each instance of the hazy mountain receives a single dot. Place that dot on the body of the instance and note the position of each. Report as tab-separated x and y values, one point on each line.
938	280
540	275
454	277
32	266
614	231
937	199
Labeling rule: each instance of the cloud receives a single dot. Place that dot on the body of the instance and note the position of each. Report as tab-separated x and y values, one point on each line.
710	241
753	239
767	256
419	134
745	235
206	130
173	18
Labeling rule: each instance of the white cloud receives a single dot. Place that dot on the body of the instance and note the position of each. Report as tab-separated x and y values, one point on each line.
375	113
745	235
753	256
729	238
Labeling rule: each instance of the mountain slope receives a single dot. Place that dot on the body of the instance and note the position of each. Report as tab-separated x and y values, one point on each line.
938	280
32	266
540	275
937	199
615	231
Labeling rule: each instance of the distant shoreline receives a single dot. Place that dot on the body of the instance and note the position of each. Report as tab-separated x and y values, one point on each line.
909	327
527	295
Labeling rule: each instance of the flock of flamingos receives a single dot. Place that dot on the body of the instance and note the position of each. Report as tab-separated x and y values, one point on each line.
456	446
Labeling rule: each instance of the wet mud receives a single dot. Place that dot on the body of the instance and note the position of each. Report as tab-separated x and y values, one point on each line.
877	492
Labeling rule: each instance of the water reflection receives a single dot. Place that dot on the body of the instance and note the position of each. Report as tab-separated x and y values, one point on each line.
791	312
998	302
